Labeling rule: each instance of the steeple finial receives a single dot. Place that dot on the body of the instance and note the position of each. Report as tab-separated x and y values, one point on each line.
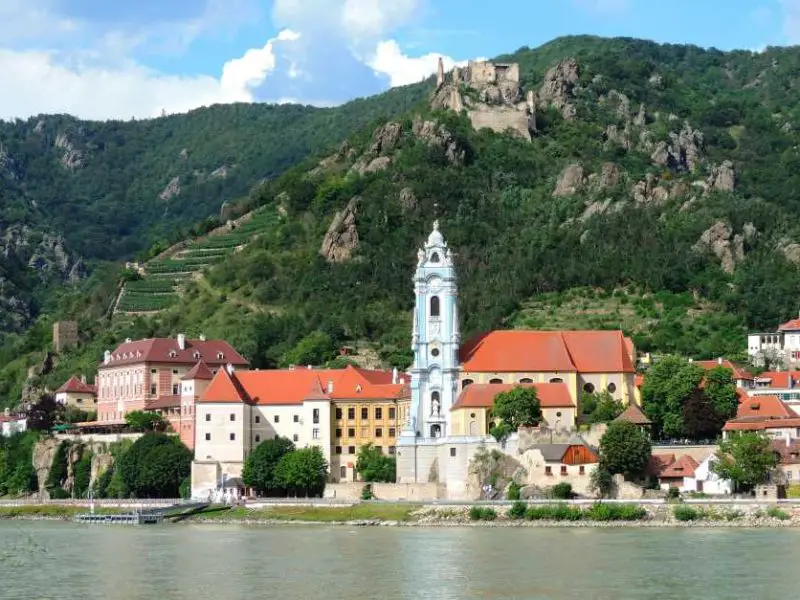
436	225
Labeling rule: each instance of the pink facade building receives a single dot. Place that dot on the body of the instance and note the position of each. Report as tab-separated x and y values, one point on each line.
162	375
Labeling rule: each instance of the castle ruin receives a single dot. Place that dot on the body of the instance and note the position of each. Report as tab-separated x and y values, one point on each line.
65	335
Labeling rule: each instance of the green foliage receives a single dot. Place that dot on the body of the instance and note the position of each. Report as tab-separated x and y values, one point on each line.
554	512
518	407
517	510
720	388
482	513
374	466
561	491
514	491
259	468
683	512
303	472
16	463
747	459
673	493
596	512
793	491
600	407
625	449
142	421
667	387
366	492
57	474
601	481
185	490
83	473
154	467
776	513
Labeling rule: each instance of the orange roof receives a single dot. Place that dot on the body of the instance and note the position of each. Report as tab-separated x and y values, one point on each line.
481	395
294	386
760	423
76	386
763	406
166	350
547	351
738	373
638	380
634	414
780	379
683	467
792	325
658	463
199	371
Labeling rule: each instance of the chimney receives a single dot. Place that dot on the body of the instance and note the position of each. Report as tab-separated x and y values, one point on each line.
106	357
291	367
394	375
309	367
229	368
719	360
182	341
127	340
83	378
330	386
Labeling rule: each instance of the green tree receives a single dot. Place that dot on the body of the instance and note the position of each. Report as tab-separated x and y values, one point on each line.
153	467
668	385
720	388
600	407
82	473
518	407
746	459
625	448
259	468
374	466
143	421
316	348
46	413
701	421
303	472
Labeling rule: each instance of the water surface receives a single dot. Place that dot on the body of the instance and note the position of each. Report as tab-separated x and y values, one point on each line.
45	560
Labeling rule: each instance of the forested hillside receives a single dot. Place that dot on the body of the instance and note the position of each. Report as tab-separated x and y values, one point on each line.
659	181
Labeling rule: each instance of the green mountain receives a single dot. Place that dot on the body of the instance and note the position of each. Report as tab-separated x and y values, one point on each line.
654	185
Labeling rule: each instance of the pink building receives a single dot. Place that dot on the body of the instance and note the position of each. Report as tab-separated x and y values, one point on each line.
163	375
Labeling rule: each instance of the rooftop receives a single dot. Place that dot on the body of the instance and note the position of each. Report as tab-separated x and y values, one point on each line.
481	395
634	414
73	385
170	350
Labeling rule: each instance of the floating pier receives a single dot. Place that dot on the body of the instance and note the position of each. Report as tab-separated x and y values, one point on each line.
134	518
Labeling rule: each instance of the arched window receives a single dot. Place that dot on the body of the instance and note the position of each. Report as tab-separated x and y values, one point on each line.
495	380
556	380
526	380
434	306
466	382
436	404
588	388
435	257
611	387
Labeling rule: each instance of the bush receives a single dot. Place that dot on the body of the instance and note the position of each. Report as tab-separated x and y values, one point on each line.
514	490
58	493
561	491
517	510
615	512
482	513
366	492
673	493
554	512
776	513
688	513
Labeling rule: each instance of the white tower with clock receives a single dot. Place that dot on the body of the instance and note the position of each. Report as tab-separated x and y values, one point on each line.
435	341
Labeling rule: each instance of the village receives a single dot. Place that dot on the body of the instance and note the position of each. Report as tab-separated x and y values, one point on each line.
440	419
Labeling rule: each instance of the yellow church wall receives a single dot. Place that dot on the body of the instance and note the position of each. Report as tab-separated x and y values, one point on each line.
568	378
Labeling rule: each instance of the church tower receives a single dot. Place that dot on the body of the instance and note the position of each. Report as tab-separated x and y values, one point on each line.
435	340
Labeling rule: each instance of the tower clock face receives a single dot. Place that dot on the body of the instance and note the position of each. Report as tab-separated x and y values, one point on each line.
435	284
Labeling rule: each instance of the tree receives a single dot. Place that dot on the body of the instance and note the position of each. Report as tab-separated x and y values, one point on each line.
143	421
303	472
316	348
153	467
259	468
46	413
600	407
625	449
701	421
668	385
518	407
720	388
374	466
746	459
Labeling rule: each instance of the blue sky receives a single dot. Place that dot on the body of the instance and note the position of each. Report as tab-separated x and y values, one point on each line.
101	59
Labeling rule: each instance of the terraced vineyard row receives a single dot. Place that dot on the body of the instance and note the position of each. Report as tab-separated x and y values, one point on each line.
162	283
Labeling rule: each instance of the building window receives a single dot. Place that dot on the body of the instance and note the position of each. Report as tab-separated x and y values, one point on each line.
526	380
435	352
339	413
276	419
351	432
496	380
378	432
233	437
611	387
548	470
296	418
208	417
392	450
392	413
365	413
153	389
351	413
588	388
452	451
338	433
153	371
337	450
351	449
466	382
435	257
392	432
208	437
563	469
556	380
434	306
558	414
258	419
581	470
379	413
314	417
258	438
315	433
174	371
233	417
343	472
176	389
295	438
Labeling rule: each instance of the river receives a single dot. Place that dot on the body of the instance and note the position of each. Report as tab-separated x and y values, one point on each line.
47	560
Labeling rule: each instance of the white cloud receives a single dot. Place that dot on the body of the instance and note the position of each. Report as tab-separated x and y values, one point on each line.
389	60
42	82
374	18
791	20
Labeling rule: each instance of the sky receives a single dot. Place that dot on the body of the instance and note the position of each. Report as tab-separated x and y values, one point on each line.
99	59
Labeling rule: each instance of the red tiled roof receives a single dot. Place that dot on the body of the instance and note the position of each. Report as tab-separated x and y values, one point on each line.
792	325
789	453
634	414
658	463
760	423
76	386
199	371
225	387
166	350
781	379
547	351
738	373
355	382
481	395
685	466
763	406
164	402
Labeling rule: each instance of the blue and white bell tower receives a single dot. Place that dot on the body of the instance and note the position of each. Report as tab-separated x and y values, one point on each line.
435	340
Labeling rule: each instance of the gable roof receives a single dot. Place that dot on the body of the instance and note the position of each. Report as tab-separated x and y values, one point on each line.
199	371
738	373
789	452
167	350
634	414
225	387
761	423
76	386
792	325
780	379
767	406
481	395
547	351
685	466
658	463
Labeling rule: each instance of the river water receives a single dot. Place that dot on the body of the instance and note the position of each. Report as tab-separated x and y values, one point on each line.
46	560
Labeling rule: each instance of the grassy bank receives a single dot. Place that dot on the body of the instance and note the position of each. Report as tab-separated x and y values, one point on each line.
49	511
320	514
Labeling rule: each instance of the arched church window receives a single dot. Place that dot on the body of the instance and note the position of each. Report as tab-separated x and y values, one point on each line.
612	387
466	382
526	380
588	388
556	380
495	380
434	306
435	257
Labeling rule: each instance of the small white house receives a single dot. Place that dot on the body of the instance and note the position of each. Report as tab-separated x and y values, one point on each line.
9	425
706	481
687	475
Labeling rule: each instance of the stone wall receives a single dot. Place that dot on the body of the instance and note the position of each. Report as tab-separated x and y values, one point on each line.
421	492
65	334
502	120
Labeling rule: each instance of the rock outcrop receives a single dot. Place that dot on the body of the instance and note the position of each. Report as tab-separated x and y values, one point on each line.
438	136
682	152
385	139
71	157
341	238
648	191
559	86
728	247
722	177
173	189
8	166
570	181
43	454
408	200
43	252
219	173
608	177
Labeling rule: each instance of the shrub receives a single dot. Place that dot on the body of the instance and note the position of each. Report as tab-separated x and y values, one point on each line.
561	491
366	492
673	493
615	512
517	510
482	513
554	512
688	513
514	490
489	514
776	513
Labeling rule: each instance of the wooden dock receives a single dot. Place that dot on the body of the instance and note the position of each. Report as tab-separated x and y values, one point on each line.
134	518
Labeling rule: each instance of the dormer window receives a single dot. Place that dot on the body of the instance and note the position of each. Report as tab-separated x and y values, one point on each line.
172	354
358	388
220	356
196	354
435	257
